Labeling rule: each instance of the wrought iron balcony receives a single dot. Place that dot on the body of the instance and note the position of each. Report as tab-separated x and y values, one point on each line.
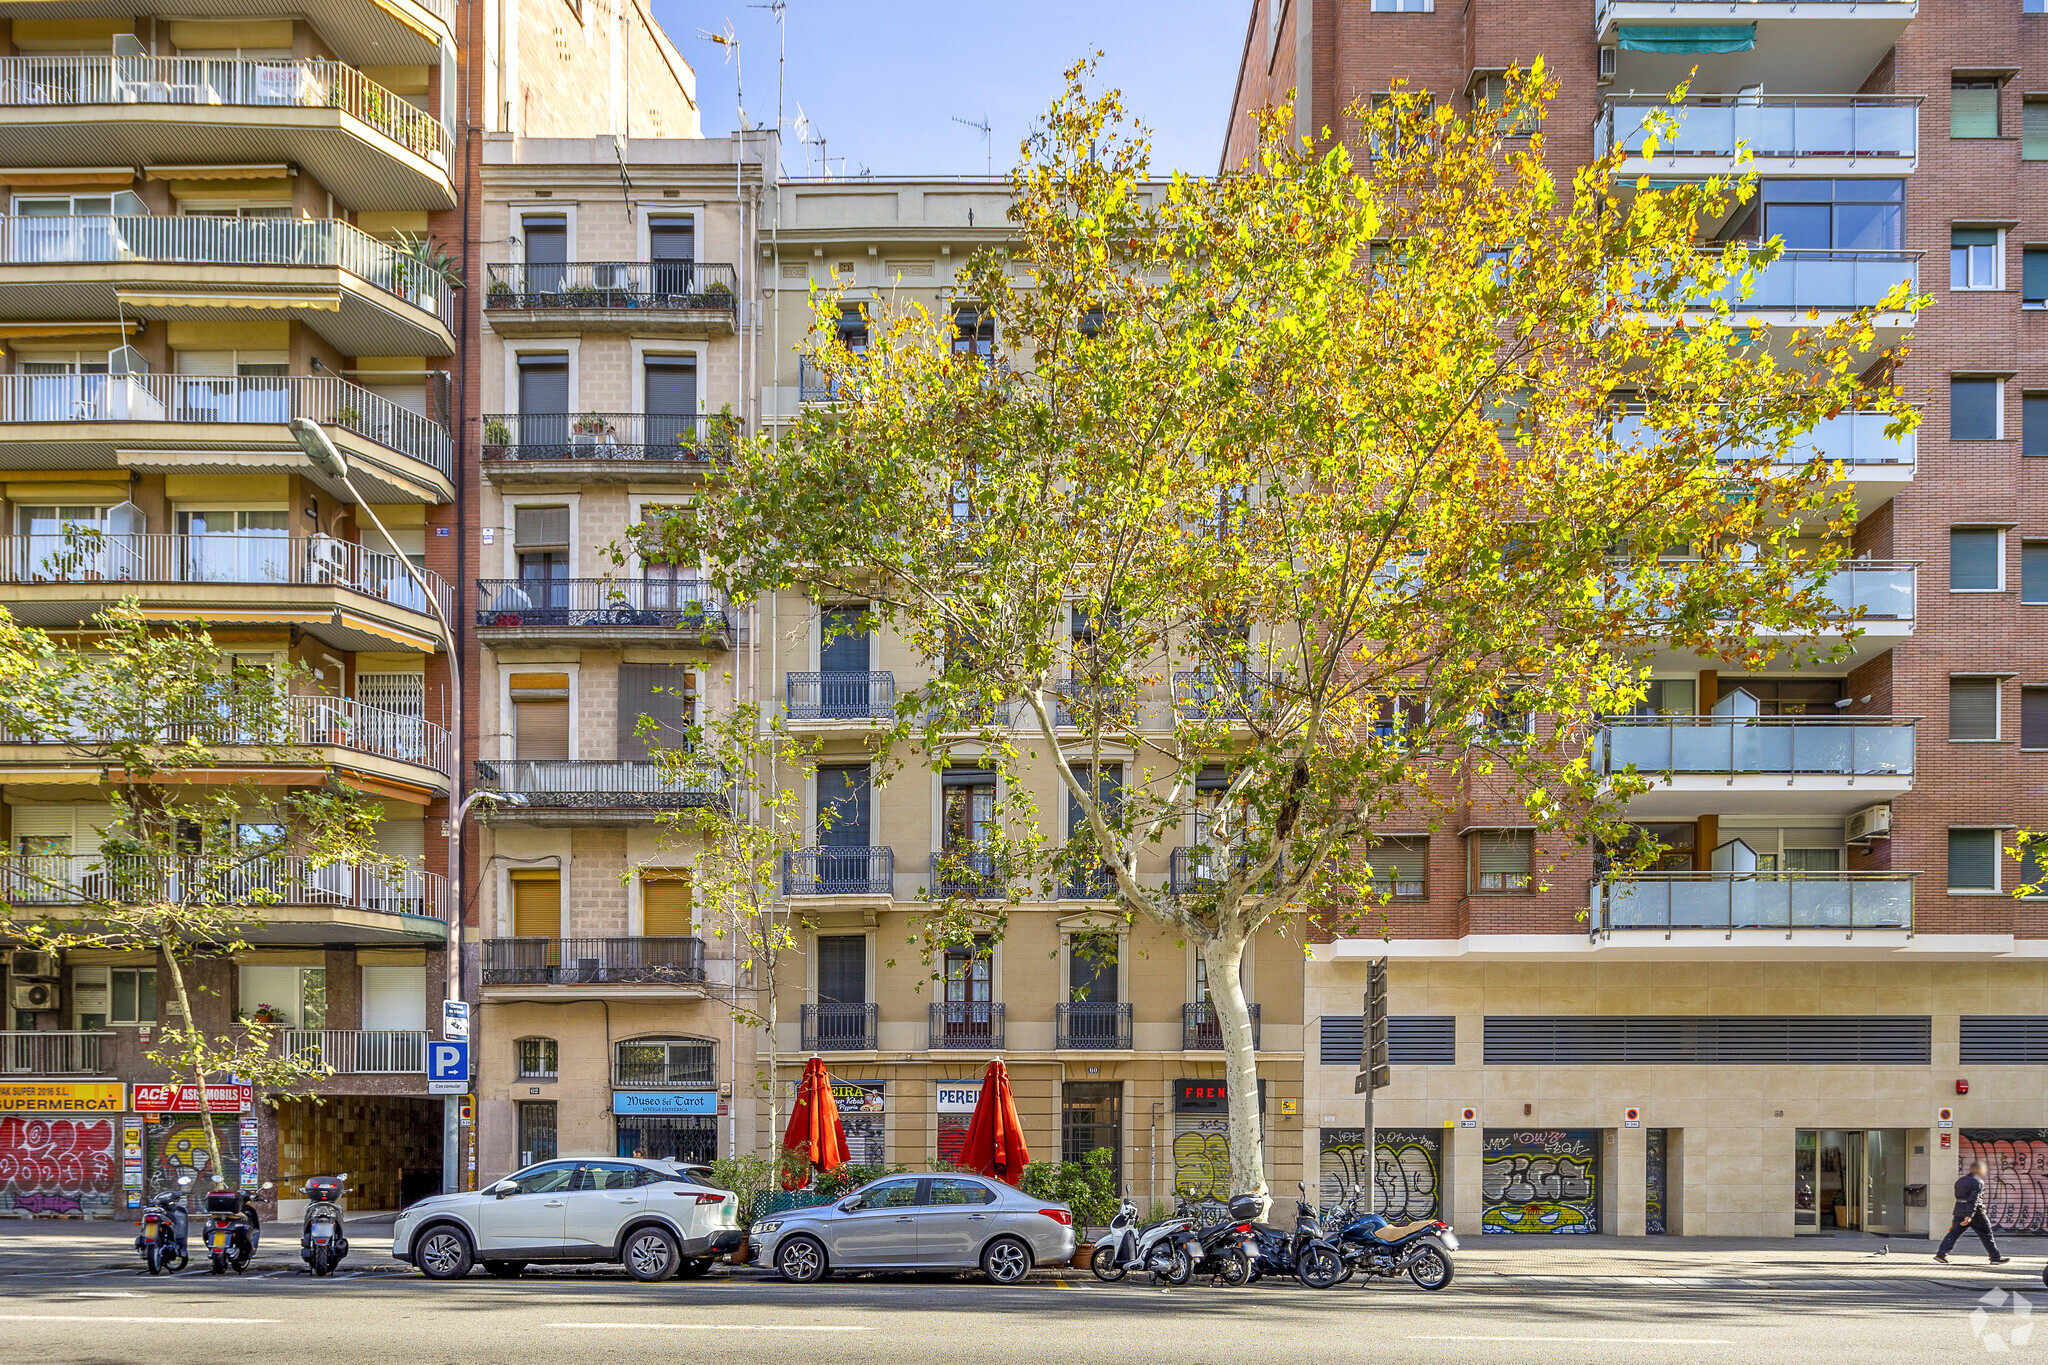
247	400
1210	694
1885	128
694	610
1083	704
358	1052
1088	884
1193	870
966	1023
833	1027
969	874
77	1052
839	872
643	286
659	961
813	385
555	437
601	783
1099	1024
63	879
1738	745
303	722
841	696
1201	1027
1728	901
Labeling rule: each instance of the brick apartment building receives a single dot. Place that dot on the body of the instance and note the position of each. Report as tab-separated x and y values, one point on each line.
1772	1035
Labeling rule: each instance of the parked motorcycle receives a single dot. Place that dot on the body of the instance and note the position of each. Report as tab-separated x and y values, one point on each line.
1372	1245
1303	1254
322	1239
1223	1248
233	1229
1129	1249
162	1238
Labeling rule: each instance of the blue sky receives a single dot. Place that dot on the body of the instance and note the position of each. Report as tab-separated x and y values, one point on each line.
882	80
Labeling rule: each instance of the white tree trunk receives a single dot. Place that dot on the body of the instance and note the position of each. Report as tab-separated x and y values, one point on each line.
1223	956
774	1095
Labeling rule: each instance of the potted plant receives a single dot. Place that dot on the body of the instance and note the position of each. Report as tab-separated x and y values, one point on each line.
584	295
426	268
497	435
718	294
346	416
499	295
589	429
266	1014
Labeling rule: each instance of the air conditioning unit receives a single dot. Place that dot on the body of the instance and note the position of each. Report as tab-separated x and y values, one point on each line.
1610	58
32	965
35	995
1872	822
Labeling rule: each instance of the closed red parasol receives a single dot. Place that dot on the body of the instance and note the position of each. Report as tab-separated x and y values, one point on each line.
814	1125
994	1144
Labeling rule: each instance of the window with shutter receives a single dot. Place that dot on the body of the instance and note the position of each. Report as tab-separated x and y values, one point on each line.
540	729
659	691
665	905
2034	131
540	528
1973	409
843	969
536	905
2034	571
1973	559
1973	107
1401	867
2034	718
2034	424
2034	276
1973	860
1503	861
1972	708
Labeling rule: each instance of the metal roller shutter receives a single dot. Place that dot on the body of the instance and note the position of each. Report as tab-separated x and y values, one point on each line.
537	906
665	905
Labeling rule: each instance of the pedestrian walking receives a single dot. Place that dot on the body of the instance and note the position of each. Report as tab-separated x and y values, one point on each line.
1969	1213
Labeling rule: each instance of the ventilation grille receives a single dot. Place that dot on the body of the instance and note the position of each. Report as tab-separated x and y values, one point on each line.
1994	1039
1707	1040
1412	1039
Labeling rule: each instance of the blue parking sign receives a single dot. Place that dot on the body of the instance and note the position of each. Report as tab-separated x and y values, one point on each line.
448	1061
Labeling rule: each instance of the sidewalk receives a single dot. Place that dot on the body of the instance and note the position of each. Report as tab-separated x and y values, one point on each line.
45	1246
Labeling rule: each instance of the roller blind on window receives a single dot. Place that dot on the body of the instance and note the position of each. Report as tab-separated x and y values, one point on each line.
665	905
1973	559
2034	561
657	690
540	729
1973	859
2034	718
540	528
537	906
1973	708
1401	863
2034	131
1505	860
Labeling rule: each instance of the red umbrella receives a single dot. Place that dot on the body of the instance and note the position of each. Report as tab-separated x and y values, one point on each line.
994	1144
814	1124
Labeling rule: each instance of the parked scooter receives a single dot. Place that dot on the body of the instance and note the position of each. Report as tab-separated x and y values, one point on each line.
233	1229
162	1238
1129	1249
1373	1246
1304	1254
1226	1247
322	1241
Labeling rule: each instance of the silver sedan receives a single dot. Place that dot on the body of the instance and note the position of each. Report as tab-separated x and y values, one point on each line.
920	1222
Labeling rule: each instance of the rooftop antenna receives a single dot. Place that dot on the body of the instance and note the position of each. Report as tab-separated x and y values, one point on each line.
731	43
778	8
802	129
988	145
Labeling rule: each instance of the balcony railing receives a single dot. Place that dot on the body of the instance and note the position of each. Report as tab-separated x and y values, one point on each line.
1829	280
1191	870
36	82
966	1023
245	559
1207	694
1884	591
839	872
89	879
144	239
249	399
302	722
1852	438
1088	884
1103	1024
1736	745
1754	900
73	1053
554	436
841	696
601	783
690	286
358	1052
1771	126
968	874
1201	1027
685	605
660	961
813	385
832	1027
1080	704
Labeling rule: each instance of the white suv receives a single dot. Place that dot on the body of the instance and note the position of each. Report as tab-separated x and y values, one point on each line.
650	1215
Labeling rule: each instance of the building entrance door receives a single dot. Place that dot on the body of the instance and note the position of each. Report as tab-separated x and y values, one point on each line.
1884	1180
1850	1179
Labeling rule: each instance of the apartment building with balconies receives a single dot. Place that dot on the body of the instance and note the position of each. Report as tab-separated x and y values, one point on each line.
617	369
1768	1032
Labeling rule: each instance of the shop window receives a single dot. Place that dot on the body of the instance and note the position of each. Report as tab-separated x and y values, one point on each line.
1976	556
1503	862
1091	1120
1973	107
1973	860
1974	409
537	1059
1972	708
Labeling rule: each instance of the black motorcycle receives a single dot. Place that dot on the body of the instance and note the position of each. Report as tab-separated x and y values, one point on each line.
322	1239
233	1229
1303	1254
1224	1247
162	1238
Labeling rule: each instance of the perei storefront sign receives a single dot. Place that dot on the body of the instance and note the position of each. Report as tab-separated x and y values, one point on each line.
63	1097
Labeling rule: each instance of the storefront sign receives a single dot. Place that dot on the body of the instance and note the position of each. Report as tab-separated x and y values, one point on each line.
62	1097
1207	1097
858	1097
184	1099
664	1102
958	1097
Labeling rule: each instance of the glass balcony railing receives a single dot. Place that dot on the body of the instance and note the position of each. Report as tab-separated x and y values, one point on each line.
1883	591
1770	126
1851	438
1753	900
1737	745
1827	280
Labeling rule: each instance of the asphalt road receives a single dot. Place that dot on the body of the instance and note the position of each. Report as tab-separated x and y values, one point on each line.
118	1317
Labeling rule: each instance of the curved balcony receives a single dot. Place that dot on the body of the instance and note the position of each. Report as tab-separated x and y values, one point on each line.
1796	765
598	790
646	298
371	148
174	423
356	598
677	612
603	447
354	290
1753	903
1833	135
290	899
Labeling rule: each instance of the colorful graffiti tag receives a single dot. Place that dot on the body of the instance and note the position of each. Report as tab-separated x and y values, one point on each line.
1201	1159
1543	1182
1406	1178
177	1146
1656	1172
2016	1195
52	1167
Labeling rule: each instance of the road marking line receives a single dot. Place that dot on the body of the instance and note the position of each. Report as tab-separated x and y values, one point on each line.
1594	1341
707	1327
106	1294
101	1317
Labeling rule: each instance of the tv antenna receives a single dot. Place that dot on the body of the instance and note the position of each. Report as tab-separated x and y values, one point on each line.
988	144
778	8
731	43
